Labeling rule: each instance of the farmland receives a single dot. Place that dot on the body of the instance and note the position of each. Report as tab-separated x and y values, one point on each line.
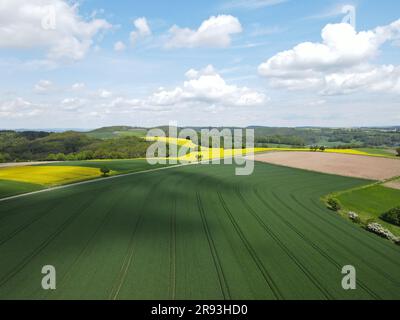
17	179
48	176
194	232
10	188
352	165
371	202
118	166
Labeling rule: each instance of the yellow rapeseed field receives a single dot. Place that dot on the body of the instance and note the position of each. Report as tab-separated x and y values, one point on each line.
214	153
48	175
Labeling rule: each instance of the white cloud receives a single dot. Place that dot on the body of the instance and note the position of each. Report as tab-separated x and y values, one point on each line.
202	88
121	102
72	104
78	86
142	30
119	46
215	32
339	64
43	86
251	4
19	108
104	94
207	87
52	25
368	78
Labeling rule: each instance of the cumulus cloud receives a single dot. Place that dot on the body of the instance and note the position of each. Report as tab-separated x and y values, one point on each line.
52	25
119	46
203	90
43	86
104	94
72	104
216	32
142	30
19	108
207	86
78	86
370	78
340	61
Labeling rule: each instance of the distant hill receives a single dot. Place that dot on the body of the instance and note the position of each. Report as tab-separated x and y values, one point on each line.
71	145
117	131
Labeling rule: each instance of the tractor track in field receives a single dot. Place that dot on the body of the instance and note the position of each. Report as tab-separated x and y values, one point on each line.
45	243
308	241
314	203
36	218
24	226
6	213
172	260
126	263
120	279
82	253
382	272
376	239
322	252
9	212
325	219
288	252
264	272
217	262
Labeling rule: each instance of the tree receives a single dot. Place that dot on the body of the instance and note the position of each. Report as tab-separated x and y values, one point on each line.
333	204
398	152
51	157
199	157
392	216
105	171
322	148
4	157
60	157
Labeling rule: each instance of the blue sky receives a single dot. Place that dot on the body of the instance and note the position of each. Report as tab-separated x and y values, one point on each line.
222	63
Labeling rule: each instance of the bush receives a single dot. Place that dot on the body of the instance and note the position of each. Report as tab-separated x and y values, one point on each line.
398	152
381	231
354	217
333	204
392	216
105	171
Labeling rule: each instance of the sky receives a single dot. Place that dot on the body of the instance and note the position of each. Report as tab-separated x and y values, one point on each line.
93	63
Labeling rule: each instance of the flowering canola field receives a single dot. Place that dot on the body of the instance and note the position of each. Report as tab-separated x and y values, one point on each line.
48	175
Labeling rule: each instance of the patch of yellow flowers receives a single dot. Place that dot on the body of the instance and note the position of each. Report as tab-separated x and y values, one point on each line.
58	175
214	153
48	175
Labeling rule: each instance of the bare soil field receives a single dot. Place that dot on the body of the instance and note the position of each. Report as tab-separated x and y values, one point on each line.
393	184
373	168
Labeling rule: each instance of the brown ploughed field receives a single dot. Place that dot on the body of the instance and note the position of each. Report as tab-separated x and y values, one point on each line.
373	168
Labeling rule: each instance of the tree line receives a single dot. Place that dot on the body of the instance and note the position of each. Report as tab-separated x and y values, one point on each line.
38	146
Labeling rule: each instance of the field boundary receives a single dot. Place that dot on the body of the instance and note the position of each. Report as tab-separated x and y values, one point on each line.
93	181
372	179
